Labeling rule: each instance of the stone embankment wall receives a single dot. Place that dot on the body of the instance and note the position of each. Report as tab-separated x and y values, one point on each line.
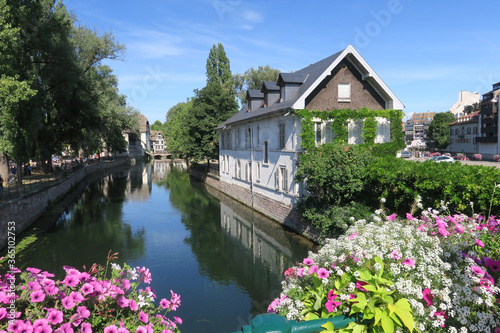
286	215
26	209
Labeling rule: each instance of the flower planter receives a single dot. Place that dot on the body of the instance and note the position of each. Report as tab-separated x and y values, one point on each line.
271	322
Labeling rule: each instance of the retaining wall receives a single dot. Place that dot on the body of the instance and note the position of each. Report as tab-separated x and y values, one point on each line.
284	214
26	209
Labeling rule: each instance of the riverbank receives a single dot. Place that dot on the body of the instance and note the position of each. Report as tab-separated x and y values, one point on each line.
20	212
287	216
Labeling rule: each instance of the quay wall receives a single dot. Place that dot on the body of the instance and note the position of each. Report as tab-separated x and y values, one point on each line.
286	215
22	211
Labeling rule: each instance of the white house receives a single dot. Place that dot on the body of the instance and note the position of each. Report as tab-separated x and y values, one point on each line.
465	98
260	146
463	134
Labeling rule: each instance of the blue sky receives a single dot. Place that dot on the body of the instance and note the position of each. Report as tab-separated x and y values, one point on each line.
425	51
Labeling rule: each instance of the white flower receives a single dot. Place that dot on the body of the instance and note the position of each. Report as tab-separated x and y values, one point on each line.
382	200
116	266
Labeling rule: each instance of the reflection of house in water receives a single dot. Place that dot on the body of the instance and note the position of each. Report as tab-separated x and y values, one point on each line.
258	245
139	187
161	168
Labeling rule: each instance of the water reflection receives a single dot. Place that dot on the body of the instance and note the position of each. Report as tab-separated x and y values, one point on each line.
225	260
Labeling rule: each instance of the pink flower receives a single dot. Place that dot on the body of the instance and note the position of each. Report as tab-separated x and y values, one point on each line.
123	330
71	280
323	273
126	284
395	255
86	328
444	232
331	295
77	297
313	269
143	317
494	265
133	305
111	329
479	243
177	320
123	302
441	314
164	303
273	304
409	262
308	261
352	236
87	288
176	301
478	270
141	329
51	290
66	328
300	271
37	296
409	217
54	316
391	217
68	302
83	311
42	326
428	297
360	284
332	305
459	228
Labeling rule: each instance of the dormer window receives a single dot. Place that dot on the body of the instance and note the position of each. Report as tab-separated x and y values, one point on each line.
344	92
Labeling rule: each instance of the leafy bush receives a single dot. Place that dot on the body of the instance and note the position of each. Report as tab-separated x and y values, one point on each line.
415	273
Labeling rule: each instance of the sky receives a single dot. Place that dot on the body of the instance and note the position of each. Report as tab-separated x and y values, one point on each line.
425	51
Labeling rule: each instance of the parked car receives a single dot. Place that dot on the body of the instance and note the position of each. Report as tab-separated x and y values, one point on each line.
436	154
405	154
447	159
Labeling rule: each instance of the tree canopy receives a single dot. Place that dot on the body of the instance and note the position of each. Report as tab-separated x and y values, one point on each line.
439	131
253	79
60	94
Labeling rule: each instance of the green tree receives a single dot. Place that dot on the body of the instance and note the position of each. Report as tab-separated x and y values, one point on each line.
212	105
471	108
439	131
218	67
177	139
253	79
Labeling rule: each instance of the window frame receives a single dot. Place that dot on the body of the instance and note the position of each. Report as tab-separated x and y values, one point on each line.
344	94
265	155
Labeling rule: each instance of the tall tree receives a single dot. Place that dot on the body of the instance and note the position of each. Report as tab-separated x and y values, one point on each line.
439	131
218	67
253	79
212	105
178	141
471	108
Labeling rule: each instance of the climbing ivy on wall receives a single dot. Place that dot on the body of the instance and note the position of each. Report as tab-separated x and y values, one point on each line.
340	119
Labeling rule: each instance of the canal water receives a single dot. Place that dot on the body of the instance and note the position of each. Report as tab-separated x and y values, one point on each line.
225	260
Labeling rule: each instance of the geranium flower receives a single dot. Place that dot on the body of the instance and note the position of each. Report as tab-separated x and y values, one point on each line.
308	261
409	262
143	317
323	273
427	296
492	264
37	296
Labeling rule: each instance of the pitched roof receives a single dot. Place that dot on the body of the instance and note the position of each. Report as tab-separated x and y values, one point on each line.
255	93
468	119
309	78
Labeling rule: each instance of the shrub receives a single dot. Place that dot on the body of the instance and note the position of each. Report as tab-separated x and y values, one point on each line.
84	301
392	273
478	157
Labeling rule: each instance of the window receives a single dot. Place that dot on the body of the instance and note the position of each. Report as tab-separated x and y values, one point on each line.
282	179
282	135
248	173
318	133
247	138
383	130
258	135
456	131
266	152
282	94
238	169
468	130
257	176
238	138
344	92
228	140
223	140
355	129
474	130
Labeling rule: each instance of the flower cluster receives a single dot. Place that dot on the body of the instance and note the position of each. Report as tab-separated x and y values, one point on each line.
85	302
478	157
430	262
496	158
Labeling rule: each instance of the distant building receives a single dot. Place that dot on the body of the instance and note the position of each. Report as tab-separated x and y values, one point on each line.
157	142
488	123
465	98
463	134
416	129
144	132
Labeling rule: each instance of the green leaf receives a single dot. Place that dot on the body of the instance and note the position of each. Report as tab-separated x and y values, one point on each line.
371	288
378	316
328	327
387	323
402	309
365	275
381	270
311	316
